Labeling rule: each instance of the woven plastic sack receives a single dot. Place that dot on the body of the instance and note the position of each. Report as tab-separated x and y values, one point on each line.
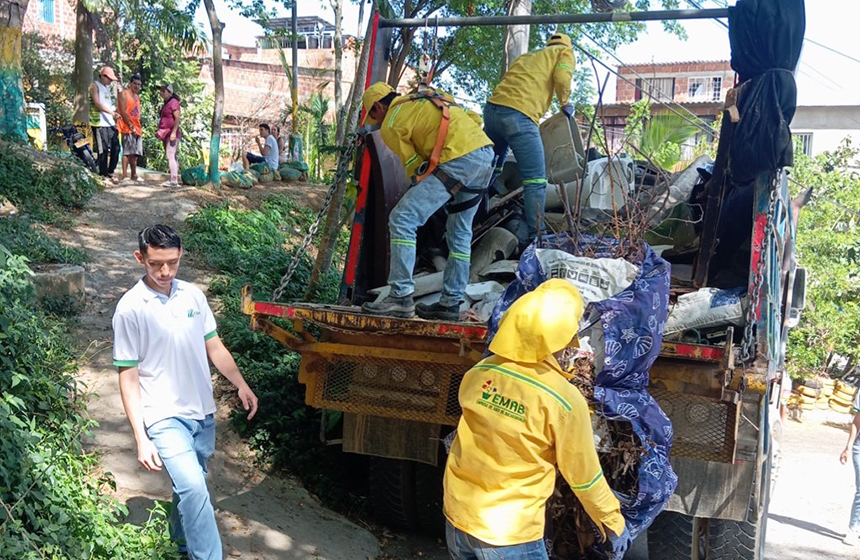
299	166
260	168
289	173
239	179
265	177
195	176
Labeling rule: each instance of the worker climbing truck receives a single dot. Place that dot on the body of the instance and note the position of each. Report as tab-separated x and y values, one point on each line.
718	380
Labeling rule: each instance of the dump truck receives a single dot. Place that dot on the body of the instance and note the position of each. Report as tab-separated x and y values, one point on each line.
396	380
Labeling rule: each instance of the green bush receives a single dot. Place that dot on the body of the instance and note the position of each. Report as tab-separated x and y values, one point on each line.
47	194
21	237
51	504
256	247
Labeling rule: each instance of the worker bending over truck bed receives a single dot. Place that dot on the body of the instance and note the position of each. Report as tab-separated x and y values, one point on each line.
521	417
449	159
512	113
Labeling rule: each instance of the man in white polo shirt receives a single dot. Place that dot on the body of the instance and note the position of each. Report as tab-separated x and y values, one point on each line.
164	331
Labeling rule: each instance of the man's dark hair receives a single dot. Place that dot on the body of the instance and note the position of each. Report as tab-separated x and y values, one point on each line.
264	125
158	236
389	98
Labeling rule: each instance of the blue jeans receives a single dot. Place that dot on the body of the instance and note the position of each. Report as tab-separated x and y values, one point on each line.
508	127
185	446
415	208
854	524
462	546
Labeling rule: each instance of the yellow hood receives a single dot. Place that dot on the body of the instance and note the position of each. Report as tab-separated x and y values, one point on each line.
540	323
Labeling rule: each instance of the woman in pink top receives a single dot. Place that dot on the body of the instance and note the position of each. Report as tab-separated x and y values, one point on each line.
169	133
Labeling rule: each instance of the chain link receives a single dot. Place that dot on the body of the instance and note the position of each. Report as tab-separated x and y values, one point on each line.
758	278
343	168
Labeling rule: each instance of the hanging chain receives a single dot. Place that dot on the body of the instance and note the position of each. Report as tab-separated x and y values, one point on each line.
343	168
758	277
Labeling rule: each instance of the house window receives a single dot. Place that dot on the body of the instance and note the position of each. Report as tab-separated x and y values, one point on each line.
705	89
47	11
659	89
805	139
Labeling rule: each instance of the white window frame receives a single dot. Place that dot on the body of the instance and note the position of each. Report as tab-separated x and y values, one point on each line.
805	142
708	91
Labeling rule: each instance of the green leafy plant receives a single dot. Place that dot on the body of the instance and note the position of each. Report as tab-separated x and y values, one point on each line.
256	247
22	237
45	187
828	245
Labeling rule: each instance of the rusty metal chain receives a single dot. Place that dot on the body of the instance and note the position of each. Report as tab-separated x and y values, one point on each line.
758	278
343	168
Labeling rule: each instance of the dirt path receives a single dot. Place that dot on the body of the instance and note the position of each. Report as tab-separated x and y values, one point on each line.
261	517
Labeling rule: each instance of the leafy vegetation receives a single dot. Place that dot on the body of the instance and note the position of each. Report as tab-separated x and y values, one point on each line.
256	247
22	237
44	187
51	501
828	245
46	60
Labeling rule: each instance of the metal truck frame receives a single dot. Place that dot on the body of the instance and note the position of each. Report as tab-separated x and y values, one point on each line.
396	380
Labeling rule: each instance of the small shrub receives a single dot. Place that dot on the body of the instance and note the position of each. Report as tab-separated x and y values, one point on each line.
21	237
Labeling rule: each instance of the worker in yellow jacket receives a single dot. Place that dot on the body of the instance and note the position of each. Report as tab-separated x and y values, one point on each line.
452	167
512	113
521	418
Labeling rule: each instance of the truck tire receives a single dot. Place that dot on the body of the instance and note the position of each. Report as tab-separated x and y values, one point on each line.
392	492
734	540
428	498
675	536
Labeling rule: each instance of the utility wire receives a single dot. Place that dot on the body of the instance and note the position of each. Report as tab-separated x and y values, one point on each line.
831	49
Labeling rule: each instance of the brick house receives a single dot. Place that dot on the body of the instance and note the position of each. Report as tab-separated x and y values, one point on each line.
50	17
699	87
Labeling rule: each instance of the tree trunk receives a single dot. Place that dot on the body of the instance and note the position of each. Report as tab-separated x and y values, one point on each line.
13	122
83	63
516	36
332	225
218	78
337	6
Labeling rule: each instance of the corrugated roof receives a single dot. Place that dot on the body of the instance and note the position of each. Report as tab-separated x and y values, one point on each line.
676	63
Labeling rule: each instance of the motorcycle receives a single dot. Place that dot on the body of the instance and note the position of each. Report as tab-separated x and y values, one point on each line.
78	144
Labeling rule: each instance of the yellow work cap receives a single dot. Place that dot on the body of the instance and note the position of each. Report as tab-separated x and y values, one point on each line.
540	323
373	94
559	39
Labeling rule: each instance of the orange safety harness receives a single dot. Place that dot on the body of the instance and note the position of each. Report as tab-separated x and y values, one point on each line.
431	166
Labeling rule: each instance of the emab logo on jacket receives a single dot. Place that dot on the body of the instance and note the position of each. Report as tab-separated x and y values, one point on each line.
495	401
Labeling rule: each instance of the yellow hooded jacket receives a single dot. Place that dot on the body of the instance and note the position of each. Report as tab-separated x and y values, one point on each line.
532	79
521	418
410	126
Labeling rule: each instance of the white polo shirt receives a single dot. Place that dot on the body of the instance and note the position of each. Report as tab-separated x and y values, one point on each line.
165	337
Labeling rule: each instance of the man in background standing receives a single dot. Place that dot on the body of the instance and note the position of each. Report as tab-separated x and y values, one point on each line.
103	117
129	126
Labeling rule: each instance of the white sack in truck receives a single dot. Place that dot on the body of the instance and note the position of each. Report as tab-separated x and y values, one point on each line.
708	307
596	279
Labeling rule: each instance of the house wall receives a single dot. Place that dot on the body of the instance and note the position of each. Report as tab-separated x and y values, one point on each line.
64	19
681	71
827	126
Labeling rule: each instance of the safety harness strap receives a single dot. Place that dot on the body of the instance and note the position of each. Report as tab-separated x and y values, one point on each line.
441	134
453	186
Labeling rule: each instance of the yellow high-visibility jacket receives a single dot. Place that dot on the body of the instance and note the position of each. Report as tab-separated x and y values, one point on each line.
410	127
532	79
520	421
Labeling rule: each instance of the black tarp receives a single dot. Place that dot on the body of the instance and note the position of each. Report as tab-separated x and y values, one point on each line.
766	38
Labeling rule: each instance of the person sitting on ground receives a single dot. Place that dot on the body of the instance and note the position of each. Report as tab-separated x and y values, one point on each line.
268	146
282	146
409	127
522	418
852	449
129	126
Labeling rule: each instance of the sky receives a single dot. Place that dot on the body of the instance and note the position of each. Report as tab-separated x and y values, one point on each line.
823	77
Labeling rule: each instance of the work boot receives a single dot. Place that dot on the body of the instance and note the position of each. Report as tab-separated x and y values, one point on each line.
391	306
438	312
